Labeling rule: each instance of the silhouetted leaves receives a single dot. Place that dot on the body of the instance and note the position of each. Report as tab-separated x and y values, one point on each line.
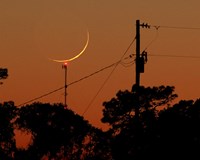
3	74
160	131
98	145
7	139
132	136
120	111
56	132
179	130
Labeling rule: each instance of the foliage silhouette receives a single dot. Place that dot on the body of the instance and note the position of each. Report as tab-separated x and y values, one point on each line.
3	74
98	146
7	139
171	132
59	133
179	130
56	132
129	141
165	131
119	111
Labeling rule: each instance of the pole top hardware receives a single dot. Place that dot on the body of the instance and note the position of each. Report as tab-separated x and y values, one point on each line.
145	25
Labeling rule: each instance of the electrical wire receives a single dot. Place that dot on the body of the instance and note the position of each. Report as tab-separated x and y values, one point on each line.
88	76
157	27
170	27
44	95
174	56
106	80
176	27
119	62
153	40
101	87
129	64
74	82
109	66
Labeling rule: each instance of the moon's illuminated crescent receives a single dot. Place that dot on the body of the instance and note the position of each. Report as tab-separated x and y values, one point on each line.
78	55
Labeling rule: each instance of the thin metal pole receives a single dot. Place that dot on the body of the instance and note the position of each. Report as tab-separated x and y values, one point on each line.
65	101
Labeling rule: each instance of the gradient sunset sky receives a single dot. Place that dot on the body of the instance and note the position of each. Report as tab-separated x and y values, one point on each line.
33	31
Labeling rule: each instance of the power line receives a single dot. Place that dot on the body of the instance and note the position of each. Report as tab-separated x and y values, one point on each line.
174	56
176	27
44	95
122	63
170	27
154	39
74	82
101	87
157	27
127	64
169	55
109	66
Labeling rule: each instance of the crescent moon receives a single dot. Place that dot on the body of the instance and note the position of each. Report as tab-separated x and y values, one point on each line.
78	55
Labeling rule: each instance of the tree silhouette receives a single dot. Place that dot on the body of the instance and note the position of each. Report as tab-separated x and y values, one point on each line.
56	132
98	145
7	139
179	130
165	131
119	113
3	74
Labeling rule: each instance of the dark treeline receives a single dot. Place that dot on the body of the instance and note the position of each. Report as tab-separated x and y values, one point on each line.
161	130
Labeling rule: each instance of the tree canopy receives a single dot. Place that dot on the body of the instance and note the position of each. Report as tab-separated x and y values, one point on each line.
56	132
3	74
164	131
161	130
7	137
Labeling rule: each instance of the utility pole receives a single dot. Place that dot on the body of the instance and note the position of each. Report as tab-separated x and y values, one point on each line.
137	53
141	59
137	76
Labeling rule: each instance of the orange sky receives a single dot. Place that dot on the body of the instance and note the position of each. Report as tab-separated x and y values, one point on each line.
33	30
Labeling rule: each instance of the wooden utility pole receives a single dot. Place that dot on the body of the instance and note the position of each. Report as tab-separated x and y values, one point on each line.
137	71
141	59
137	53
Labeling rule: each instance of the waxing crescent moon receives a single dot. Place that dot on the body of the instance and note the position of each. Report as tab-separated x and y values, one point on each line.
78	55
